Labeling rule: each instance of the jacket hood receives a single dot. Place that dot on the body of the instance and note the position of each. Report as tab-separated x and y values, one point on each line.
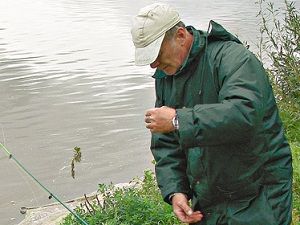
201	38
218	33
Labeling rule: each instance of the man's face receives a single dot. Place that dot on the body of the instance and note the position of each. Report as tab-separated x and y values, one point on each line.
170	57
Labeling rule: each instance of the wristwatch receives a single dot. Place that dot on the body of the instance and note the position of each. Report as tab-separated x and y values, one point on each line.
175	121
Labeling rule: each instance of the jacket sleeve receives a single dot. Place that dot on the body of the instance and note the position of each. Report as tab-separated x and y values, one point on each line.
170	159
240	107
170	165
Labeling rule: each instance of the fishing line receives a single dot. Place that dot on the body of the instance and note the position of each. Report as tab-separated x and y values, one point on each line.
3	134
10	156
30	187
28	184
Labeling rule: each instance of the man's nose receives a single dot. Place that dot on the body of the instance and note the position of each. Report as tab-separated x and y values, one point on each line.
154	64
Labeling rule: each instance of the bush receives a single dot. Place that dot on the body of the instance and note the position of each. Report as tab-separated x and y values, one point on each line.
280	41
137	204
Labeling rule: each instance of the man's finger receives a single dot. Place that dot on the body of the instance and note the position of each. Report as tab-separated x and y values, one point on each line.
193	218
149	112
188	211
148	119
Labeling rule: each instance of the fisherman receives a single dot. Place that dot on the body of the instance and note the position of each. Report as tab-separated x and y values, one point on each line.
217	138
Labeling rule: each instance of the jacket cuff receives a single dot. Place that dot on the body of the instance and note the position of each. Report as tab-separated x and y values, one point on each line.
173	194
167	193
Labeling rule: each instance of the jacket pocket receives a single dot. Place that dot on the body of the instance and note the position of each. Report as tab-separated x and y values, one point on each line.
195	166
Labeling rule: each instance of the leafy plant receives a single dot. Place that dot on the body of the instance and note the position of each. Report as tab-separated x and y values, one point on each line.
280	42
76	158
136	204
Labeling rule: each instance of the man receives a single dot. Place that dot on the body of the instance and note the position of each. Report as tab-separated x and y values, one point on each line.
217	138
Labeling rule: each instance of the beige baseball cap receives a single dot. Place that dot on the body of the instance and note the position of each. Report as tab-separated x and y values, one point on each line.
148	31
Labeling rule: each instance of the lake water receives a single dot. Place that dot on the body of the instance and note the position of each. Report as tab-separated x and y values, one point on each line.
67	78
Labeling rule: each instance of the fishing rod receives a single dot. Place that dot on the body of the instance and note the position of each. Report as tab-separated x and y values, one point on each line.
10	156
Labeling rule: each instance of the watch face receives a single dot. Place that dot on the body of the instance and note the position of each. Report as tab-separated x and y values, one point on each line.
175	122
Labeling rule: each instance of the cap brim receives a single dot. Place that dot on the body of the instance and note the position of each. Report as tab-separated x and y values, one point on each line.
147	55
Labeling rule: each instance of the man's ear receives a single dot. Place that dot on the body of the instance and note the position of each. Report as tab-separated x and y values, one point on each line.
181	35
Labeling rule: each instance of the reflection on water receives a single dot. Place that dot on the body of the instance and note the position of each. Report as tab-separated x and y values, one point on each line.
67	79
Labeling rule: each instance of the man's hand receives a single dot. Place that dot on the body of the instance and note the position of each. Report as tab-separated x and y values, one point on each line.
183	211
160	119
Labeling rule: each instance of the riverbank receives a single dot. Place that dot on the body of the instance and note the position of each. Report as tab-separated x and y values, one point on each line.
53	214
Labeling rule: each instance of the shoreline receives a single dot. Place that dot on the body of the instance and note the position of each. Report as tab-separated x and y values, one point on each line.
51	214
54	213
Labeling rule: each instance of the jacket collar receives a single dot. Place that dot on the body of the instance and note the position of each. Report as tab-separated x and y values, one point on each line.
215	33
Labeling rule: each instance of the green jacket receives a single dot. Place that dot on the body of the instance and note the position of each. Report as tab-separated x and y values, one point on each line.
230	141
